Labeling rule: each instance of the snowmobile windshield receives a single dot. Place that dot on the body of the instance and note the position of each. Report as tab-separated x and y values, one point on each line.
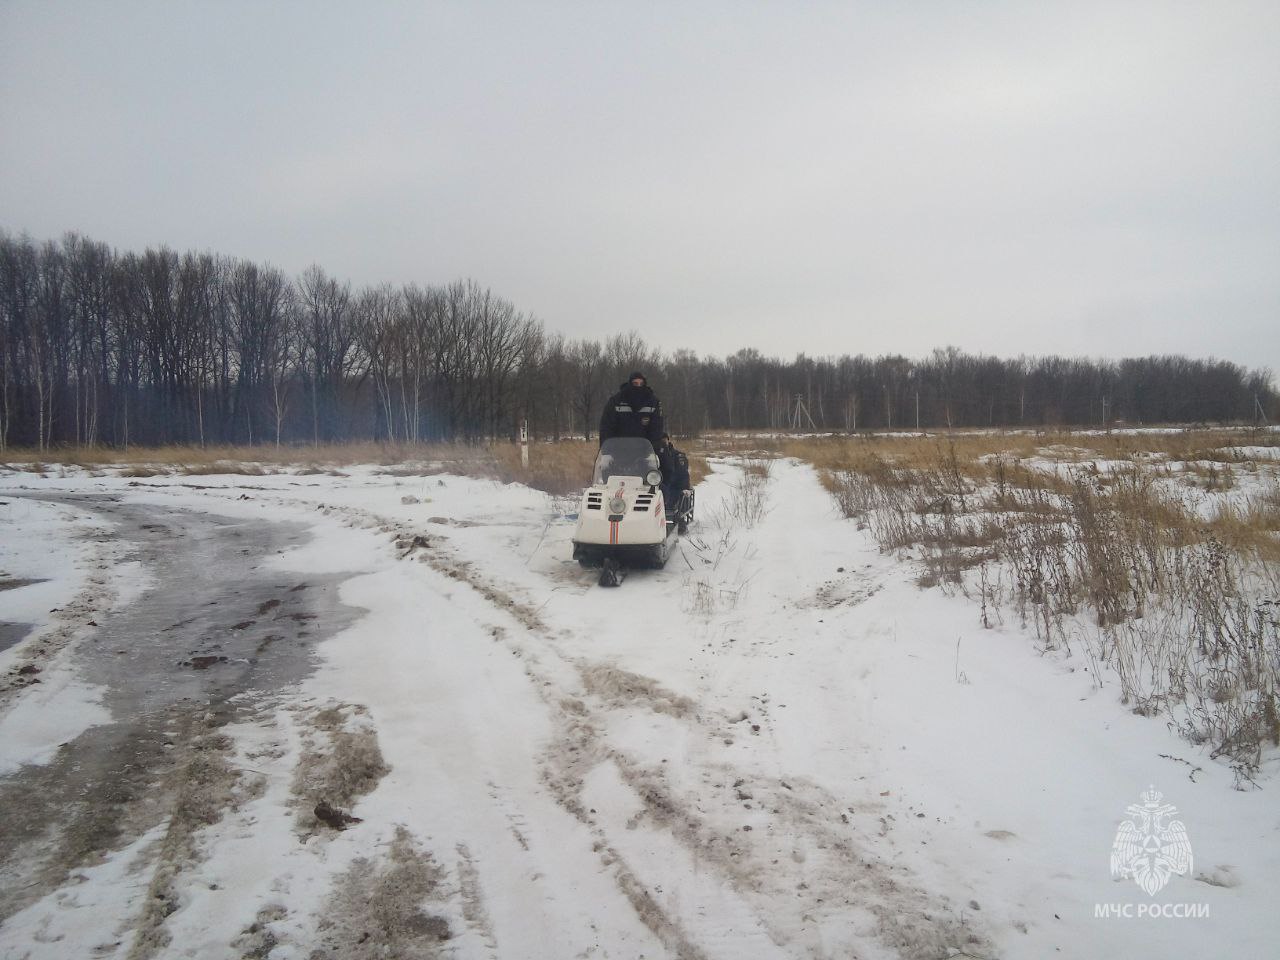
625	457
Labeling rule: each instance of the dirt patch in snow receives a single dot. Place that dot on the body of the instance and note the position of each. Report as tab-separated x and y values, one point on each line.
204	788
621	688
340	763
106	789
844	591
472	896
97	795
257	940
384	909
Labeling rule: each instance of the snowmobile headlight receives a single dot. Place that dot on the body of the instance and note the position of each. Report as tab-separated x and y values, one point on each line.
653	478
617	505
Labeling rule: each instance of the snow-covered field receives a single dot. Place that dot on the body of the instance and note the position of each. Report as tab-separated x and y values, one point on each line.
778	746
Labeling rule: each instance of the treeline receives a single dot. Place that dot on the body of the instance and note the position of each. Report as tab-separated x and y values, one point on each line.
103	347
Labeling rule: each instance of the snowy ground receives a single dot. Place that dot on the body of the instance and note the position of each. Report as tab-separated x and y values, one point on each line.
778	746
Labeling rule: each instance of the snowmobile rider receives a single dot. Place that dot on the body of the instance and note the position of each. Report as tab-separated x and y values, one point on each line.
677	491
634	411
675	470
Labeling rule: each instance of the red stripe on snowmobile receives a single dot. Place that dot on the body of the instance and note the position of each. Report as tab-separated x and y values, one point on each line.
613	531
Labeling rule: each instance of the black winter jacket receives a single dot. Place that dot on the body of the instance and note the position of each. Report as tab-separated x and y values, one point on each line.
675	467
632	412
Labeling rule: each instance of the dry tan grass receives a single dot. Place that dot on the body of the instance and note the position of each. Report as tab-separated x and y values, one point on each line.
1219	445
718	443
1099	542
938	472
558	468
1187	446
1204	445
922	452
182	457
228	467
1252	527
698	469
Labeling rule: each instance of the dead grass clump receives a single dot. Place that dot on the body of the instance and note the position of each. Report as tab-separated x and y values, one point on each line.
1118	534
223	467
559	469
621	688
340	763
698	469
912	453
749	500
1212	476
379	909
1251	527
258	939
1018	488
430	460
721	443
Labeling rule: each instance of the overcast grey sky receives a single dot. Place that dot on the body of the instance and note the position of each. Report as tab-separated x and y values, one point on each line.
1076	178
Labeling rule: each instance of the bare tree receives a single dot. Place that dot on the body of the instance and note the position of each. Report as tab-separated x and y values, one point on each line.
505	338
551	375
588	365
47	340
262	341
328	341
625	352
393	355
283	358
19	267
89	267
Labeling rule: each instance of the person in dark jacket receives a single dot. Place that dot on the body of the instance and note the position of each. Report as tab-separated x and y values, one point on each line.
677	491
634	411
675	465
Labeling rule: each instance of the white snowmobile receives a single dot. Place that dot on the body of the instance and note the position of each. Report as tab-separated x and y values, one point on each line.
623	520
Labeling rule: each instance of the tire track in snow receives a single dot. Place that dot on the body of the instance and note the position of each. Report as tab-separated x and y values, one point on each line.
809	881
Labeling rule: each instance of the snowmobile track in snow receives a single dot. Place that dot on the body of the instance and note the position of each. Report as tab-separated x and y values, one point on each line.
846	876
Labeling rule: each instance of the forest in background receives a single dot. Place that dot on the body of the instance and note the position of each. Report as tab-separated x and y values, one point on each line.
116	348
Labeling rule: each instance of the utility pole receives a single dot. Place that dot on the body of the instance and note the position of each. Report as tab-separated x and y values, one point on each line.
801	411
